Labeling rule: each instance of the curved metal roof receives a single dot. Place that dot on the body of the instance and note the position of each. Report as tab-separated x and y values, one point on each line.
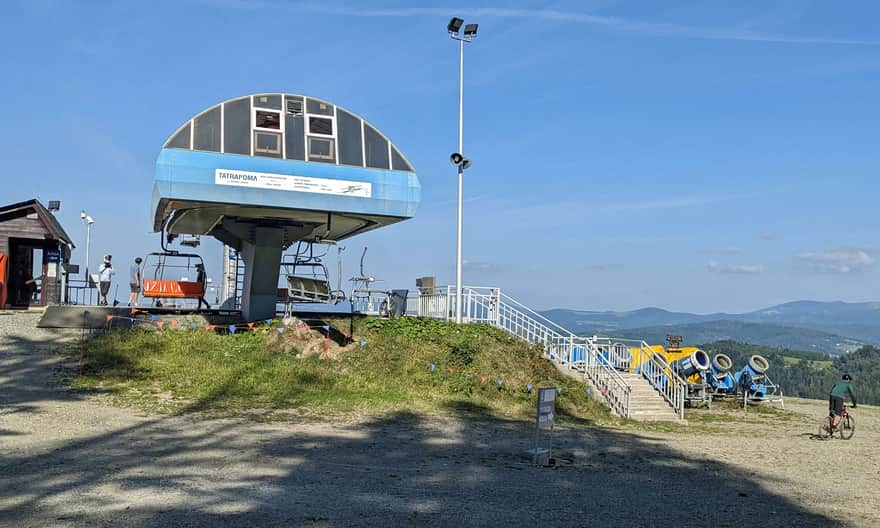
291	127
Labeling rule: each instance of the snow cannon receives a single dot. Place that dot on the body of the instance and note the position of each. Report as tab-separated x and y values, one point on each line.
695	363
751	379
720	378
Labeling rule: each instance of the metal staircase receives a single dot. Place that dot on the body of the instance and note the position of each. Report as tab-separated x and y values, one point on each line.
649	391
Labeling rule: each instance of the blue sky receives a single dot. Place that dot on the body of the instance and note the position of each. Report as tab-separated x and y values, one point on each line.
693	155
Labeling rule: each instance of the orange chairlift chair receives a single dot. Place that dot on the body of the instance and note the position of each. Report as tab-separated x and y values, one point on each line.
160	265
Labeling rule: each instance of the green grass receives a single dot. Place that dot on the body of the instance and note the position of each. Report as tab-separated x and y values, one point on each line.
823	364
264	374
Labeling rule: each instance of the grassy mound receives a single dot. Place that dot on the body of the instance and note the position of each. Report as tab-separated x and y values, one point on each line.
408	363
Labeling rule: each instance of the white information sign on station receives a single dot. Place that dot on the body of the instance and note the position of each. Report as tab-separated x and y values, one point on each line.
286	182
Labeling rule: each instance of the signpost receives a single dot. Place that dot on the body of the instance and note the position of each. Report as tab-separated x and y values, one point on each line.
544	416
674	341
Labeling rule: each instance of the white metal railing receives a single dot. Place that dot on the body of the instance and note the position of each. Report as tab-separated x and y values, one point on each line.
491	306
653	367
669	383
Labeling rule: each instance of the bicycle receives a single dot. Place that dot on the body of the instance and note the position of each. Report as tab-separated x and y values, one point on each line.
845	428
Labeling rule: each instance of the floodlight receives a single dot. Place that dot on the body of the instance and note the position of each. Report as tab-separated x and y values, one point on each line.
470	30
54	205
454	25
90	220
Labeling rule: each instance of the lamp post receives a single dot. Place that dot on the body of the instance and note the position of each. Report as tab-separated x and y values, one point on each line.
457	158
88	220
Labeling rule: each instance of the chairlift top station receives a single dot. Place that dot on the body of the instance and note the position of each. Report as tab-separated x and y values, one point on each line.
261	172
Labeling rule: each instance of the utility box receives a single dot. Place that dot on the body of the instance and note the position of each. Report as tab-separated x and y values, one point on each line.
426	285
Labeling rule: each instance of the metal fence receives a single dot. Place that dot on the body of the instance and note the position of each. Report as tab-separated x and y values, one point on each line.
81	291
598	358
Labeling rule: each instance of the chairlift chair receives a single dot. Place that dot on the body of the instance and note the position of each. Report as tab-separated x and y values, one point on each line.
308	280
367	300
161	265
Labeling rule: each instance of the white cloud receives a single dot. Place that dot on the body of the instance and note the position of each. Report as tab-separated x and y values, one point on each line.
839	260
477	265
738	269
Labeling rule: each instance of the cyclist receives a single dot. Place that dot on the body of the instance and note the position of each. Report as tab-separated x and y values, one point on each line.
839	392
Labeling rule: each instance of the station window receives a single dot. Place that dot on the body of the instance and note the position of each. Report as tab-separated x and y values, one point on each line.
313	106
268	120
322	149
294	106
267	144
207	131
268	101
320	125
349	134
237	126
397	161
376	146
181	139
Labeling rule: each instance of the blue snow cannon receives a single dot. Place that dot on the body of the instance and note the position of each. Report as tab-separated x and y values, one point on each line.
751	378
720	378
695	363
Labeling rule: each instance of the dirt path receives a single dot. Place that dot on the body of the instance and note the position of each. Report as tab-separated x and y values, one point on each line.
69	460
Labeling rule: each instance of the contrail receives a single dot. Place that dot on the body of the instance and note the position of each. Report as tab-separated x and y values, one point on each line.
621	24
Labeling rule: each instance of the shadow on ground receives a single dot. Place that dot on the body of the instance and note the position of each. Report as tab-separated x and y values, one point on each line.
399	470
29	368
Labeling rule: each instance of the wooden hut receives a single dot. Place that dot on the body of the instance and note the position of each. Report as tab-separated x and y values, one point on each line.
33	246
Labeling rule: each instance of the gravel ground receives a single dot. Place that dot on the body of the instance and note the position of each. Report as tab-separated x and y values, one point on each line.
68	459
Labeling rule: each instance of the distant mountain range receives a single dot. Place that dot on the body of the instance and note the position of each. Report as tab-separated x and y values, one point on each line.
831	327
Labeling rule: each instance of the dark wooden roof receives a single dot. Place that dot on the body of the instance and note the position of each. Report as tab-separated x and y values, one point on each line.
49	221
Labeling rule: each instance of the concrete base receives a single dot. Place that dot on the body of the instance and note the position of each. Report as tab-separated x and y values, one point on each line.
95	317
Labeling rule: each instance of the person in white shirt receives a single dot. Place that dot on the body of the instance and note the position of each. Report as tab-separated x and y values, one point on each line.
105	276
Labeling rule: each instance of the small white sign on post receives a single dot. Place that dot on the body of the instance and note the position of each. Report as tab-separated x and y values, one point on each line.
546	408
544	416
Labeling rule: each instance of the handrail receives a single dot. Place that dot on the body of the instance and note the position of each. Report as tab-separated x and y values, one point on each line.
602	359
601	372
537	315
669	383
526	322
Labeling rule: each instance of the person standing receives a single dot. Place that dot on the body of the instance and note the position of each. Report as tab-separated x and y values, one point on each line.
202	278
134	281
30	285
105	276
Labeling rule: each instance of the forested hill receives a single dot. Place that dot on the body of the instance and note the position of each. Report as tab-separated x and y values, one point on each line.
763	334
808	374
832	327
